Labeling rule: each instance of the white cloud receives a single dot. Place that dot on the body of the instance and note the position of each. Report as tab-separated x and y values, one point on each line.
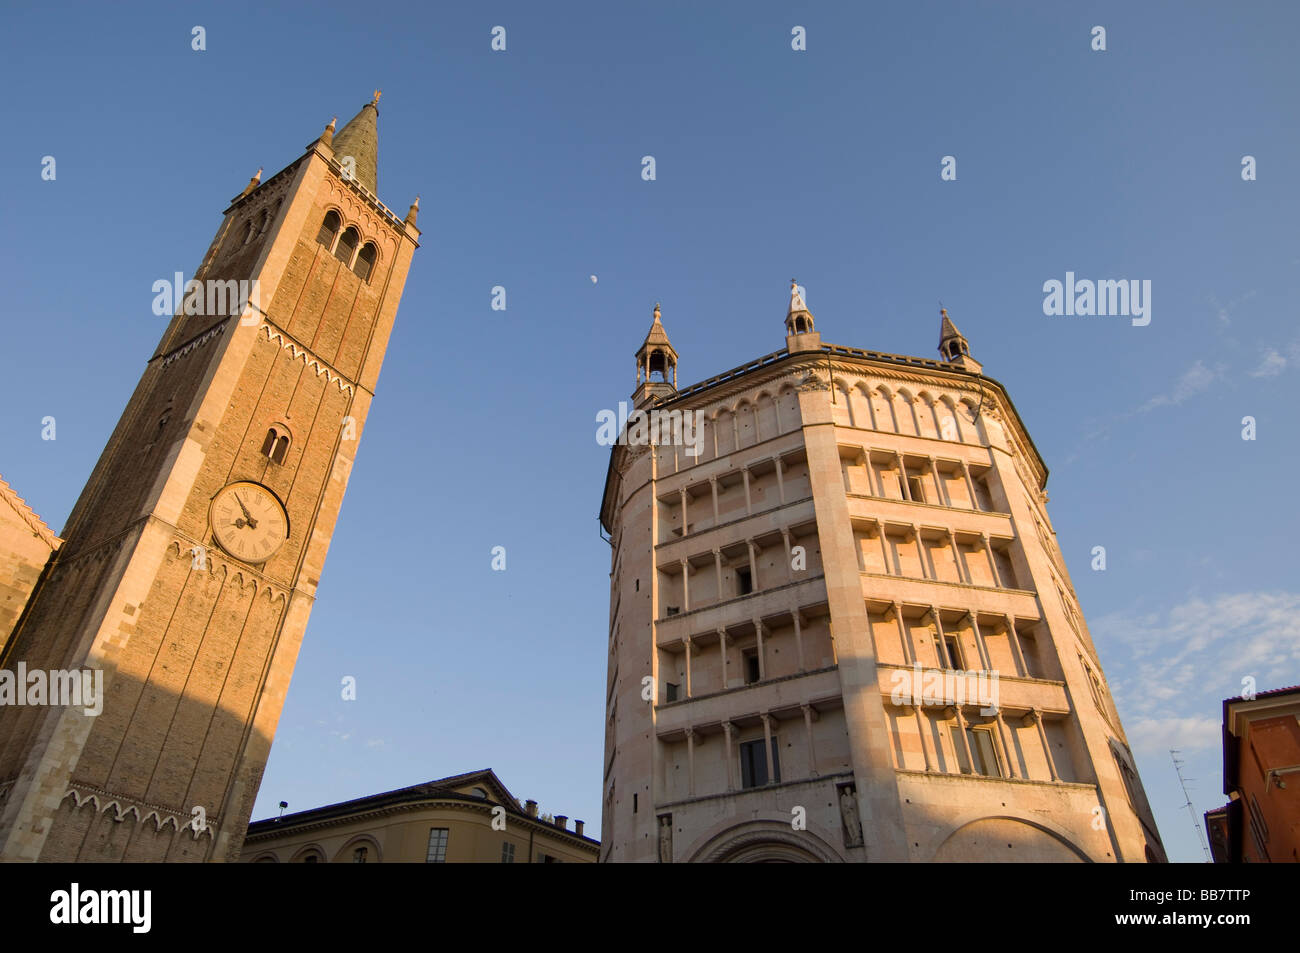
1195	380
1170	670
1271	365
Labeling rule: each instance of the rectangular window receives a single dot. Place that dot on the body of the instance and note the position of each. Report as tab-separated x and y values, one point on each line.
670	691
954	652
914	489
507	853
753	764
437	846
984	751
744	582
958	750
750	659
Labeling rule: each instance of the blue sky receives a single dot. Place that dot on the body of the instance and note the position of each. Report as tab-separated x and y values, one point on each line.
821	165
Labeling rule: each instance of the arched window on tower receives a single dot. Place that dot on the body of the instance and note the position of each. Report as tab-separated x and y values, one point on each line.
365	261
347	246
276	444
329	229
658	369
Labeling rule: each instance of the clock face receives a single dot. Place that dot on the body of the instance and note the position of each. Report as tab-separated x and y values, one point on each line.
249	522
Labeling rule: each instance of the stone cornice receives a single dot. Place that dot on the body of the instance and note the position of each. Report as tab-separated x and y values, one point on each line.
28	515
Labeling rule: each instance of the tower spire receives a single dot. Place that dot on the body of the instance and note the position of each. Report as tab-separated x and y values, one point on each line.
656	364
800	330
359	141
953	345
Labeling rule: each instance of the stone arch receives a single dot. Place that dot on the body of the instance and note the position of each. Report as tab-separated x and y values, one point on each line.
841	409
764	841
882	409
299	856
344	856
788	408
905	412
969	422
746	424
1002	838
769	421
923	408
725	423
860	407
949	423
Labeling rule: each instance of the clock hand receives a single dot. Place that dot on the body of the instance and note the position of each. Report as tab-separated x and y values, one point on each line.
252	523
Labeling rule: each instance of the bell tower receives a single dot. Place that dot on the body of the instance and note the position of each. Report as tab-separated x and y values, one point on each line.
191	560
656	365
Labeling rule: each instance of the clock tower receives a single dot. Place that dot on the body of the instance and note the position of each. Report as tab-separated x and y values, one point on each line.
191	560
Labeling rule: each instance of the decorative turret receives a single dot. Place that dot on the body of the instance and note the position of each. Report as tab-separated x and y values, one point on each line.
359	140
656	365
800	333
953	345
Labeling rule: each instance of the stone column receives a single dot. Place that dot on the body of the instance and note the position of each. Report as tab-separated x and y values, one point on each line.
717	564
798	639
780	479
943	643
970	485
902	476
753	566
1007	749
687	642
749	506
722	647
920	552
940	497
979	642
808	718
767	746
686	586
713	485
923	728
762	655
1037	716
1016	652
993	566
690	762
727	729
961	733
685	512
904	636
789	560
956	558
884	549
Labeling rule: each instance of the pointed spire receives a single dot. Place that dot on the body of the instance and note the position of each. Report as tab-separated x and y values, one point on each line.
796	299
359	139
327	136
799	324
953	345
414	210
656	355
657	334
253	183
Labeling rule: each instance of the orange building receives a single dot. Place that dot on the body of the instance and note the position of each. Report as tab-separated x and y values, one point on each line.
1260	824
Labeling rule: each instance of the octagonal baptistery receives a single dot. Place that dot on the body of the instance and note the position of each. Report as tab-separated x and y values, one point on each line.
841	628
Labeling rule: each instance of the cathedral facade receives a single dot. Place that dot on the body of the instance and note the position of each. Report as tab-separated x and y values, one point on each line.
188	568
841	628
